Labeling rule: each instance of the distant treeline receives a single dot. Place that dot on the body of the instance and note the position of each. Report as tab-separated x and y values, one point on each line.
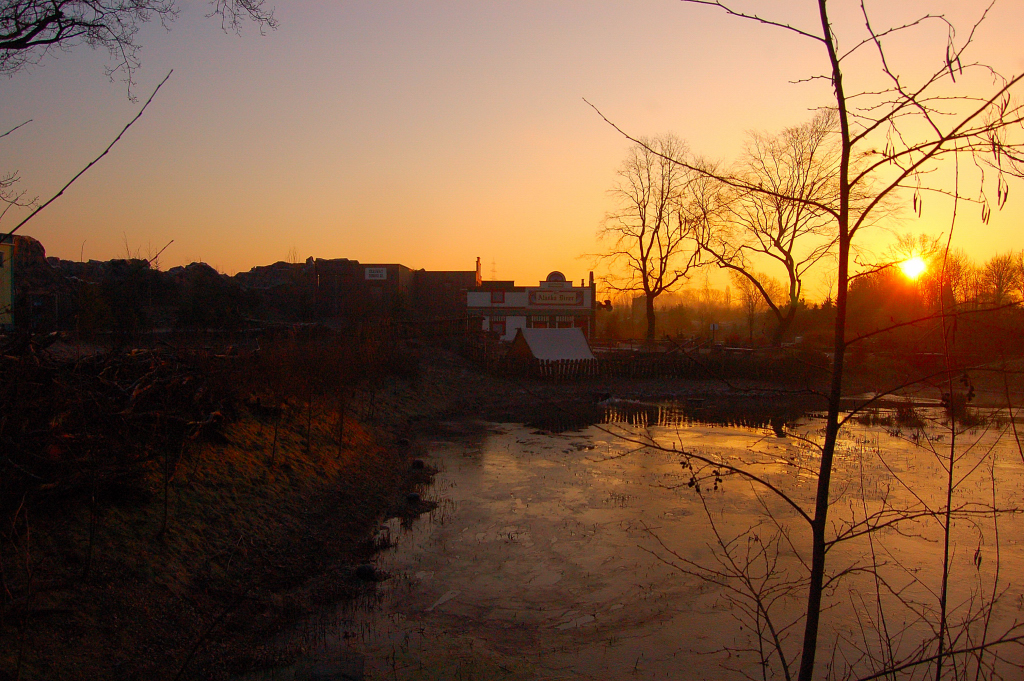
980	302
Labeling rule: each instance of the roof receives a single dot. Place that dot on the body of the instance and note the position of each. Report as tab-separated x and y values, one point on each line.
554	344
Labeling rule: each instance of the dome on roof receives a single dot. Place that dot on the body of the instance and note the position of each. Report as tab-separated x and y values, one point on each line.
556	276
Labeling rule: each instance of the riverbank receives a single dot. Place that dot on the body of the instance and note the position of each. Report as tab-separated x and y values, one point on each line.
184	569
190	569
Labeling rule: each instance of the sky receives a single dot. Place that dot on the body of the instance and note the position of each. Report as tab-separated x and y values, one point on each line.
427	133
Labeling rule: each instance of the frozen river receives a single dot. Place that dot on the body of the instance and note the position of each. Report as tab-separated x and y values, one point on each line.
586	555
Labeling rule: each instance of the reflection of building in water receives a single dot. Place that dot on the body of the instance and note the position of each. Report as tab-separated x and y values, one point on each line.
502	307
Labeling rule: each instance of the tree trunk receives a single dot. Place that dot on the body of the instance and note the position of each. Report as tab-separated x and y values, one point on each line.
818	527
819	545
785	322
649	300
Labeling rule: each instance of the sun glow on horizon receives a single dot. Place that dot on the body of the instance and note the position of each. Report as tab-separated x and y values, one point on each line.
913	267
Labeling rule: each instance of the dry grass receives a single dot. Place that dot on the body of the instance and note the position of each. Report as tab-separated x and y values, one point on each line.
254	539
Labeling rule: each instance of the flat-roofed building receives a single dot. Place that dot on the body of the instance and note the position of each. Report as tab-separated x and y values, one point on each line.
340	289
502	308
442	294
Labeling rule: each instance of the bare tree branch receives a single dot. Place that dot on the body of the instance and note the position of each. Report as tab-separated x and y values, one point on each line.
96	160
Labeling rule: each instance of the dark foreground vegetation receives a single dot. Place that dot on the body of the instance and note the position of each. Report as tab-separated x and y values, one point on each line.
167	509
164	510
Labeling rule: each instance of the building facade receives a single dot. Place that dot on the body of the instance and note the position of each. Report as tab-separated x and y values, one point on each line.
348	288
441	295
500	307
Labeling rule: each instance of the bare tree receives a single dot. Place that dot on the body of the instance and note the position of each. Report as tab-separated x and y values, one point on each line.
10	195
919	126
895	132
1019	261
651	233
29	29
751	298
952	280
1000	277
776	212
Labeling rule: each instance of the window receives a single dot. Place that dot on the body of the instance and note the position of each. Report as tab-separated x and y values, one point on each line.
497	297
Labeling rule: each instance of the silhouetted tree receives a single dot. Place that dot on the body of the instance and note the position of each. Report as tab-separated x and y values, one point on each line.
895	131
751	298
1000	277
30	28
779	211
890	138
651	232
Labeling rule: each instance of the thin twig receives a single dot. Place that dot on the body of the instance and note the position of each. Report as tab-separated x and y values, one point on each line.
91	163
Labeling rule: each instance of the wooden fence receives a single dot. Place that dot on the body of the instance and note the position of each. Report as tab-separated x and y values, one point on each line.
649	365
775	366
565	369
636	366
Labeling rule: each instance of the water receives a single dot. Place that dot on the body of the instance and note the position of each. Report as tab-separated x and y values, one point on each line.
585	555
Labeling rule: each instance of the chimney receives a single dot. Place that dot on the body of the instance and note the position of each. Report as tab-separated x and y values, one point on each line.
479	277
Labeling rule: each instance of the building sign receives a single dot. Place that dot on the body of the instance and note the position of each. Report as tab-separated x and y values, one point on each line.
555	297
376	273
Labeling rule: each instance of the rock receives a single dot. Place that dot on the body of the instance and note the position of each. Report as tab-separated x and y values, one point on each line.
413	498
366	572
418	464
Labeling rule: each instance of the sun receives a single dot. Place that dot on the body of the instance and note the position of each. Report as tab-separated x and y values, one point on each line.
914	267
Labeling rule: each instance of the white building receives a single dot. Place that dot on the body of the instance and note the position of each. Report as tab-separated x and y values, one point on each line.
553	304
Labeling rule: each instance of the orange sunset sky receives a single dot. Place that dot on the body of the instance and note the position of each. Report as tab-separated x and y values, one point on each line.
429	133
